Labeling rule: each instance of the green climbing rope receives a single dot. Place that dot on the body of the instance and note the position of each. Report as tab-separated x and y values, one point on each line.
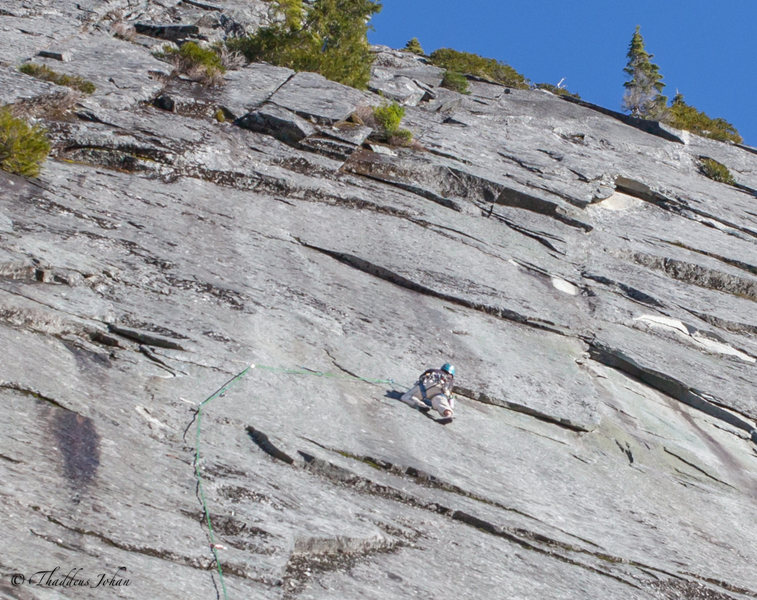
220	392
200	490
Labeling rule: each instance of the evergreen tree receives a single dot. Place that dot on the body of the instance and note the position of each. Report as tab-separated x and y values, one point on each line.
325	36
643	97
414	46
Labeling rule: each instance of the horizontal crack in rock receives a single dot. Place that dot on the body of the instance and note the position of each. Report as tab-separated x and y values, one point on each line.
16	387
167	555
699	275
519	199
144	337
521	408
399	280
666	384
696	467
628	291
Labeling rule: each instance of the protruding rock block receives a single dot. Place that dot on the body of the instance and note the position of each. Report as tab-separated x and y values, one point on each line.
313	96
277	122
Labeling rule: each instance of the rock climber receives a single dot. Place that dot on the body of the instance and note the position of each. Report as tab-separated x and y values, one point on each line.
433	390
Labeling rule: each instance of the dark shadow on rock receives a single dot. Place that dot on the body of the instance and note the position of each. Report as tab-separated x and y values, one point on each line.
79	444
393	394
265	444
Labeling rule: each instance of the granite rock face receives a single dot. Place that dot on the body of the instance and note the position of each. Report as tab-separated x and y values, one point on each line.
594	289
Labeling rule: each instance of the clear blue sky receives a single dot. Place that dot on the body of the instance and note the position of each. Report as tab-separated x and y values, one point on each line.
705	49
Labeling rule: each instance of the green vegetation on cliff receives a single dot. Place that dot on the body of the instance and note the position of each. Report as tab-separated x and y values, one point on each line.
716	171
643	97
327	36
23	148
473	64
683	116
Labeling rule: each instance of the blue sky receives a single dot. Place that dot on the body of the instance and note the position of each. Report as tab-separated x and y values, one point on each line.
706	50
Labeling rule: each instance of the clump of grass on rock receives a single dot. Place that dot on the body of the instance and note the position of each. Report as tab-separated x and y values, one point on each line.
23	148
203	65
45	73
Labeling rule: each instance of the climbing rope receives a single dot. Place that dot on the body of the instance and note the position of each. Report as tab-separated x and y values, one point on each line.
200	491
220	392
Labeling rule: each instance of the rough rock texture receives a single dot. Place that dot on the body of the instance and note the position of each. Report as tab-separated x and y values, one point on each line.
595	291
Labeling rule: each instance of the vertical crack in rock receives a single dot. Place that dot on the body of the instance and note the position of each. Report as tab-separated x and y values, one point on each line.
626	450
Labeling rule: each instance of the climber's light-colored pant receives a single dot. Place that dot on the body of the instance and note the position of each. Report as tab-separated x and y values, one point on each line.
439	402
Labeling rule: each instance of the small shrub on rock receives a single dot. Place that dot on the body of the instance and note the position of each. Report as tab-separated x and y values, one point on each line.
47	74
389	116
455	81
200	64
387	119
716	171
23	148
473	64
